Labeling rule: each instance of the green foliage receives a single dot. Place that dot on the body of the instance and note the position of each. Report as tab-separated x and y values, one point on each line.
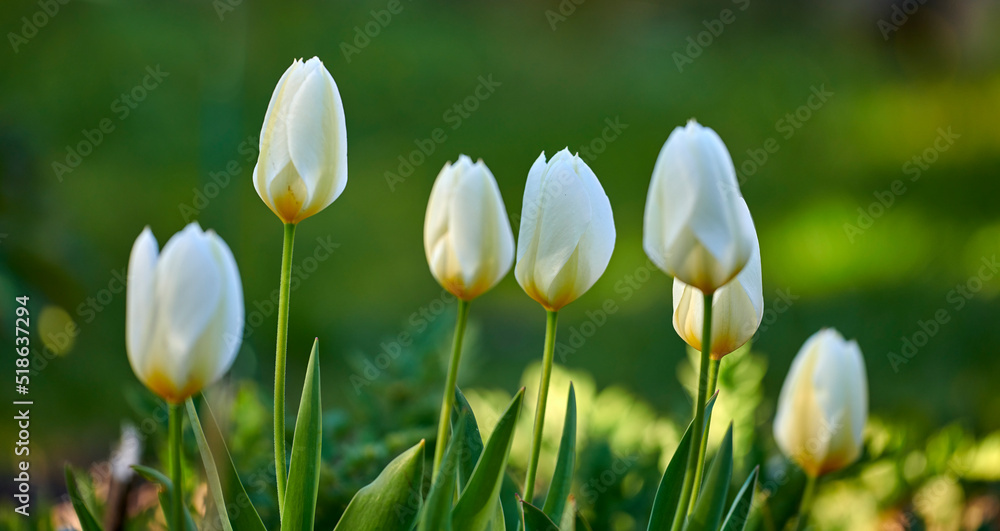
87	519
392	501
708	508
672	483
562	478
238	514
298	513
167	493
477	505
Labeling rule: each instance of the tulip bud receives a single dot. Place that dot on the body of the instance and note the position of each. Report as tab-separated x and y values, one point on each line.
692	227
823	405
184	312
302	166
567	232
467	236
737	307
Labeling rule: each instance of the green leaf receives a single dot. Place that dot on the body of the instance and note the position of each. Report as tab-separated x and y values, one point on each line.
669	491
473	440
166	496
385	504
243	516
562	478
476	507
87	520
739	513
568	522
436	513
299	510
534	519
707	512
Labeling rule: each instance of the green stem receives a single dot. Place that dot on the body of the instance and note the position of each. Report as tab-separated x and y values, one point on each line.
448	402
699	418
543	395
806	504
713	380
176	420
279	364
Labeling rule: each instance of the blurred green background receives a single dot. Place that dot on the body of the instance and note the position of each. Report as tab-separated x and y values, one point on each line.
563	72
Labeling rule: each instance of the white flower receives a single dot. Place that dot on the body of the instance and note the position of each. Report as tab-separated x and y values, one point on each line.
467	236
567	232
184	311
823	405
692	228
737	307
302	166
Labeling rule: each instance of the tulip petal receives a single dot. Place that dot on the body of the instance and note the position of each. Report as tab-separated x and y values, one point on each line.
565	215
188	288
598	242
140	306
274	153
309	109
227	335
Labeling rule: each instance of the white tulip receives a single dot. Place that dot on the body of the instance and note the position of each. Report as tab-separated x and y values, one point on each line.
302	166
467	236
184	311
567	232
737	307
823	405
692	227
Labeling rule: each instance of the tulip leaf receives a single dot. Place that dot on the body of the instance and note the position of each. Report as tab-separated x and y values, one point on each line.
568	522
739	513
708	509
534	519
299	510
243	516
476	507
668	494
386	503
436	512
473	440
562	478
87	520
166	497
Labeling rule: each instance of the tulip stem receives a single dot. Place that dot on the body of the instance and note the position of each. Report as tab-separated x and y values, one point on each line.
448	402
699	419
284	295
543	395
713	379
806	504
175	425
